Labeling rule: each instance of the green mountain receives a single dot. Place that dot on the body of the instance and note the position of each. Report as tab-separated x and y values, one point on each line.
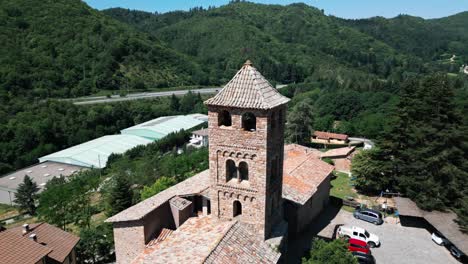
432	39
288	43
295	42
65	48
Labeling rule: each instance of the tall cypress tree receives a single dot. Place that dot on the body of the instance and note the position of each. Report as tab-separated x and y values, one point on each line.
26	195
120	195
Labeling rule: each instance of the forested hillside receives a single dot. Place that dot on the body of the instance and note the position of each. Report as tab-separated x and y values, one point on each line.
287	43
298	42
64	48
433	40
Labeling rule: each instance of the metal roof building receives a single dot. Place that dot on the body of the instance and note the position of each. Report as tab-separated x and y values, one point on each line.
40	173
160	127
94	153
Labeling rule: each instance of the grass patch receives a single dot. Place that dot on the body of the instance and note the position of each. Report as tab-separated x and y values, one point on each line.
7	211
341	186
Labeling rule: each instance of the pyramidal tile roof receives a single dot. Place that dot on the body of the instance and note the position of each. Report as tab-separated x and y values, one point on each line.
248	89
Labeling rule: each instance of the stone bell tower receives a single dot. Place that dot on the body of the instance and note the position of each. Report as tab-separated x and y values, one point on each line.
246	145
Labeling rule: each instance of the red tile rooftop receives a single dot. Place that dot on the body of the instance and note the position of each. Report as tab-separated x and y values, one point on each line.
303	172
339	152
15	249
191	243
329	135
56	241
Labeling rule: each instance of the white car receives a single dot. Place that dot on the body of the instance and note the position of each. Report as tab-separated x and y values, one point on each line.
439	239
358	233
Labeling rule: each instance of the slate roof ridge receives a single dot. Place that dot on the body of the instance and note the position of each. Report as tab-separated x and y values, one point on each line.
248	89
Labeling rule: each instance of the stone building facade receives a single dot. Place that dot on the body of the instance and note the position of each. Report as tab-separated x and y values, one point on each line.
233	212
246	158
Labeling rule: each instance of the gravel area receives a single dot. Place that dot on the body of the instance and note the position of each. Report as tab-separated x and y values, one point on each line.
399	244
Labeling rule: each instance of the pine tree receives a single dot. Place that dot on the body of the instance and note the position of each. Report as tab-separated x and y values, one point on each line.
299	125
426	147
26	195
120	195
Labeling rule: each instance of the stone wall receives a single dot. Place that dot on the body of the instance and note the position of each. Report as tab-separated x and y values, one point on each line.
309	211
158	219
259	196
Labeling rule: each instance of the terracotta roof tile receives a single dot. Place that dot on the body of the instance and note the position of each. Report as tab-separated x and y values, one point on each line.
191	243
248	89
241	245
60	242
16	249
338	152
329	135
303	172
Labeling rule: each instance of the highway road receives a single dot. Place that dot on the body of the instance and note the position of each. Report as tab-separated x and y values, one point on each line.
147	95
138	96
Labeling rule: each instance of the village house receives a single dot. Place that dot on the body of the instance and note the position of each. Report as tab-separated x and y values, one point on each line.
199	138
37	244
341	157
234	212
329	138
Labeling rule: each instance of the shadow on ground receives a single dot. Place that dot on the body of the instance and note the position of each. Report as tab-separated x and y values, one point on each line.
301	244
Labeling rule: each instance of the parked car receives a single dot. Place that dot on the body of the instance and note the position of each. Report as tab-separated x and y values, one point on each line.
358	233
439	239
369	215
363	258
359	246
460	256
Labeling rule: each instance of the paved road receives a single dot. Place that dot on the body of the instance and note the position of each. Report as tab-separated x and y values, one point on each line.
147	95
137	96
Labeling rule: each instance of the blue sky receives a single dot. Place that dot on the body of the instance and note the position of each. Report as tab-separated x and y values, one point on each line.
340	8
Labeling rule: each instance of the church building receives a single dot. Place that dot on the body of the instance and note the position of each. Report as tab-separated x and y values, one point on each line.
237	211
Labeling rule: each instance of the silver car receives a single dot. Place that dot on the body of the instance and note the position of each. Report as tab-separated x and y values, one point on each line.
369	215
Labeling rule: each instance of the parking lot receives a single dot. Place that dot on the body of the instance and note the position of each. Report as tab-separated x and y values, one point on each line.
399	244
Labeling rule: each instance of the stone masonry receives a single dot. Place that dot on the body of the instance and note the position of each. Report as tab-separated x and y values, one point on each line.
262	148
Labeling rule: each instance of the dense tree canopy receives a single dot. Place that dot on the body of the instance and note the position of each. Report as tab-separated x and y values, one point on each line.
334	252
424	154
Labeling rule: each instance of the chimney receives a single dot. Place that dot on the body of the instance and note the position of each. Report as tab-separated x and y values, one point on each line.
25	228
33	237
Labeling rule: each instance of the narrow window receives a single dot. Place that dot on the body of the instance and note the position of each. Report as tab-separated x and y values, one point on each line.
249	122
243	171
224	119
231	170
237	208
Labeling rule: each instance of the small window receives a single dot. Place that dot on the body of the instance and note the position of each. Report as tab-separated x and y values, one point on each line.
243	171
355	234
249	122
224	119
231	170
237	208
